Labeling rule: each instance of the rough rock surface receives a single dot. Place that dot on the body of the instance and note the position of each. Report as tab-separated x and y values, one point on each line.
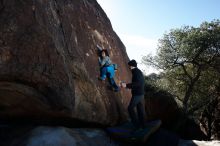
15	135
61	136
55	136
198	143
161	106
49	63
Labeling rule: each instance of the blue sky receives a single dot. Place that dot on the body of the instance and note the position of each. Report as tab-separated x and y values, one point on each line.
140	23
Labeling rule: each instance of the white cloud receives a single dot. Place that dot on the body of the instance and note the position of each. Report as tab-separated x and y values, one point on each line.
136	46
140	42
139	46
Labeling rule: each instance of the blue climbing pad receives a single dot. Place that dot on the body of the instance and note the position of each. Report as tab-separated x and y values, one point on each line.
127	132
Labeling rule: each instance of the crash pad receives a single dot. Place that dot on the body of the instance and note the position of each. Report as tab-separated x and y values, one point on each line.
127	132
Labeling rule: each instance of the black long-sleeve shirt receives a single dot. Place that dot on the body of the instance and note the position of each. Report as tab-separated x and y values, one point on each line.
137	84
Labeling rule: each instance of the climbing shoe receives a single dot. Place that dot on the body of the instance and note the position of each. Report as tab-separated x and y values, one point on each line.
101	79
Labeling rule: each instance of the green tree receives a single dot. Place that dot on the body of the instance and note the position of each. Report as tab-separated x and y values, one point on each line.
187	57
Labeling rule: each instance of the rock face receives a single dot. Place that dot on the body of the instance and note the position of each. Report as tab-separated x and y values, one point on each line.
63	136
49	63
161	105
55	136
198	143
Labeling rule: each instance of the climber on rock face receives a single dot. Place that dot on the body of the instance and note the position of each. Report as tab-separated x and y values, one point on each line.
106	68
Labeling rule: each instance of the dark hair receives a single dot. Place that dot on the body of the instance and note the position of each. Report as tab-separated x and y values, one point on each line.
132	63
106	52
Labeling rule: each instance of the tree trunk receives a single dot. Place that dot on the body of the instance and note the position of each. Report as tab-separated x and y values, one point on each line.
187	96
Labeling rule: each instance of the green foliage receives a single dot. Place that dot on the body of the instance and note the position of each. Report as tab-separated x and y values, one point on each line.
152	89
188	57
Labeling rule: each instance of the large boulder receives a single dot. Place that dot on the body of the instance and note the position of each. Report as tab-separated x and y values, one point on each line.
28	135
53	136
162	105
49	63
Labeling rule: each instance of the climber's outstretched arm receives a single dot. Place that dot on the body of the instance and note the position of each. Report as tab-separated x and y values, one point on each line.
99	48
